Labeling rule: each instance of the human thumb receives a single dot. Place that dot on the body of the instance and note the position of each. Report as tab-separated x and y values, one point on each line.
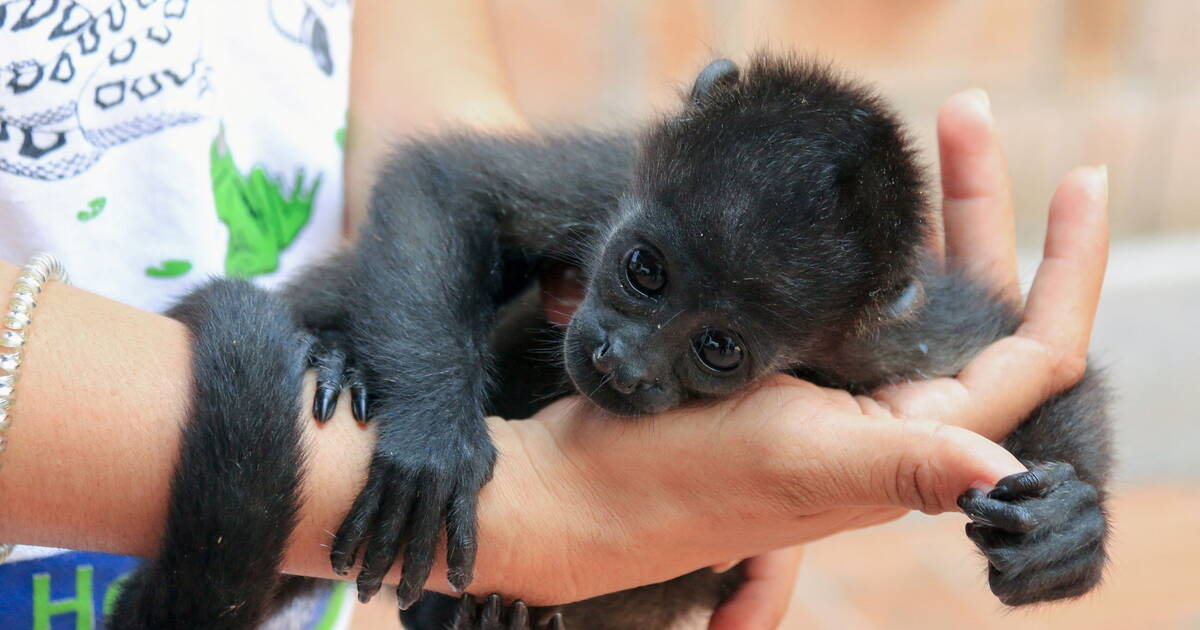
912	464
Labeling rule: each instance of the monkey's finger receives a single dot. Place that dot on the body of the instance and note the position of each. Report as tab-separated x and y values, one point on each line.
386	531
977	212
464	616
461	537
988	538
358	392
519	617
350	533
1066	290
987	511
424	525
1033	482
490	617
329	364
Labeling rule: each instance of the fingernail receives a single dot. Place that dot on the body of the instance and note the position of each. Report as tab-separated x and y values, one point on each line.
982	486
980	102
1097	181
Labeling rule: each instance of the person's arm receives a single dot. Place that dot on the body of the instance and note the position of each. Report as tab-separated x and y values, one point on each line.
419	67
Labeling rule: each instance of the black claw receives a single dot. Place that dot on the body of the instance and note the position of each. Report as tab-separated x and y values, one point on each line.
556	622
358	403
520	616
491	611
466	607
324	402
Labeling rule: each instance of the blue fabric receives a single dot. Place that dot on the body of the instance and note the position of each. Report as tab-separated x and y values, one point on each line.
73	590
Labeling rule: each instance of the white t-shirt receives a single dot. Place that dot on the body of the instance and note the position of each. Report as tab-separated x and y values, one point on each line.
151	144
150	147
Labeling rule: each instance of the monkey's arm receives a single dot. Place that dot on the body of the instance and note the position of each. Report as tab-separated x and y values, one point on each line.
1044	531
421	288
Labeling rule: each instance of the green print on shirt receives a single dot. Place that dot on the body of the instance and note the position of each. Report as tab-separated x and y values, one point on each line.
96	207
169	269
263	217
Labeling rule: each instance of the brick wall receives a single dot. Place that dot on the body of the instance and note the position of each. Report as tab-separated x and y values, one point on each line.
1071	81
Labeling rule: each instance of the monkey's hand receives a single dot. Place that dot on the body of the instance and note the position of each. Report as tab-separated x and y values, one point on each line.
1042	532
494	615
430	461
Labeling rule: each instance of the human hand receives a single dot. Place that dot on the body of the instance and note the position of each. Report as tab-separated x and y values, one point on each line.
1050	346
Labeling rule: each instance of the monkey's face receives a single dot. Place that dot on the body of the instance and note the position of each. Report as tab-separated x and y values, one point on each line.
662	323
696	295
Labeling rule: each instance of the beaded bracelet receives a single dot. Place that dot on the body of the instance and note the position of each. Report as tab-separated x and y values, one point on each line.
39	270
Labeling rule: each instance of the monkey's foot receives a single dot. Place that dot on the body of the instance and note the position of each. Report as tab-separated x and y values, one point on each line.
1042	532
494	615
430	461
337	371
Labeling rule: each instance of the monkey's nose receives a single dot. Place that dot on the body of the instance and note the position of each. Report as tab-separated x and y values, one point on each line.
606	356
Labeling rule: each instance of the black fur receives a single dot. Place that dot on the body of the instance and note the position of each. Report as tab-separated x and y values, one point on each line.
786	213
235	491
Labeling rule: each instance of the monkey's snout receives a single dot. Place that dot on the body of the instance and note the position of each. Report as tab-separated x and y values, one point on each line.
626	379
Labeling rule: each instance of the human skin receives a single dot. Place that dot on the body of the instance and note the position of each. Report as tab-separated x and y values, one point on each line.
104	390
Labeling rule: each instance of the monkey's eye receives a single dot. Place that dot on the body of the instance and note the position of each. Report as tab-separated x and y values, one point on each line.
718	350
644	272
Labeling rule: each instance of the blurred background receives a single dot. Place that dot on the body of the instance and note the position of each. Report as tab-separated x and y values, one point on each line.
1071	82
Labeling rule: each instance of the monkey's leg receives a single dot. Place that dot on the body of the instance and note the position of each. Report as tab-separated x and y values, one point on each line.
1044	531
235	491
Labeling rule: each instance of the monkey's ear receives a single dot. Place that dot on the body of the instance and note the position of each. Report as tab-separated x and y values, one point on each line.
719	73
910	299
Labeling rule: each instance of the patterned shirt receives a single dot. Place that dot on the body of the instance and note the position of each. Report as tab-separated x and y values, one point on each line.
151	144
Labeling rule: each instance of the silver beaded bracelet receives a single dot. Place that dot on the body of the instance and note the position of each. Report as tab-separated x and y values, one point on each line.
39	270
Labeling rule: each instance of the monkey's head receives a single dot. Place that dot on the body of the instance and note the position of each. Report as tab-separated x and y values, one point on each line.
778	213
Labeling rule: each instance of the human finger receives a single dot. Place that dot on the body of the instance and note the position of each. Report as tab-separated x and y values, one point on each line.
977	211
1048	353
919	465
762	600
1066	290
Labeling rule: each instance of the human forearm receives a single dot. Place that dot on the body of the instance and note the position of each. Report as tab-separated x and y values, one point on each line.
417	67
103	394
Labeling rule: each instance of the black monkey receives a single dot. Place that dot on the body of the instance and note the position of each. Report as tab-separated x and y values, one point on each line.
774	224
